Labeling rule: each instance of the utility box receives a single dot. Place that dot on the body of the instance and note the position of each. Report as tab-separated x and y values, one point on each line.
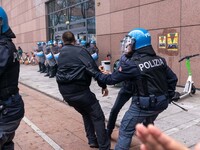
106	65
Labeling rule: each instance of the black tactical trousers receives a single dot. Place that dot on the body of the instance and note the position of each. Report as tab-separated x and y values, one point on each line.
11	113
94	121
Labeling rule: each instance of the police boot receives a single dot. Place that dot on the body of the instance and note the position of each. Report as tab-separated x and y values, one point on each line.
53	71
40	67
51	74
47	71
43	68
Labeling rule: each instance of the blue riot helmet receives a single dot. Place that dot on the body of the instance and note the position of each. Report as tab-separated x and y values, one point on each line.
60	43
3	21
43	43
83	43
49	43
139	38
39	43
136	39
93	42
55	43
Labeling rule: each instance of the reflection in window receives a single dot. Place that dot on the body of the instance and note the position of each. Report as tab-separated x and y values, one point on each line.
75	15
91	25
51	7
90	8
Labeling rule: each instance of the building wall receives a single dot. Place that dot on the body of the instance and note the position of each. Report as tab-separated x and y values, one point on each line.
27	20
115	18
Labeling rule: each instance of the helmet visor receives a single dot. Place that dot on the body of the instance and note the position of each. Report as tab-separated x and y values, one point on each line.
126	44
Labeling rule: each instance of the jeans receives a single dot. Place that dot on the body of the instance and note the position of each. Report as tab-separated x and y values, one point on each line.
93	117
122	97
133	116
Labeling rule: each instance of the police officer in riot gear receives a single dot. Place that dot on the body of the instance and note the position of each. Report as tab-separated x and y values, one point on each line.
83	43
52	62
11	103
93	50
73	82
124	94
48	55
41	57
56	55
153	82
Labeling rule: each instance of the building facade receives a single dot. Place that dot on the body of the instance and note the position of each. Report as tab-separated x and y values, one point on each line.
174	26
77	16
44	20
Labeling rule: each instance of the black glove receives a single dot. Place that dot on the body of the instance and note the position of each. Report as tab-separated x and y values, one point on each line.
176	97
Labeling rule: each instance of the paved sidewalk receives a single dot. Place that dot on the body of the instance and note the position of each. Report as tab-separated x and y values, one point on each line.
52	125
181	125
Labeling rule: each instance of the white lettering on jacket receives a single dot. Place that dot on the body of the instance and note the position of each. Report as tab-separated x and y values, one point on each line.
151	64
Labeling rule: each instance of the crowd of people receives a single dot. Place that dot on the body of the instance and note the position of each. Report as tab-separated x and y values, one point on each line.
74	67
48	52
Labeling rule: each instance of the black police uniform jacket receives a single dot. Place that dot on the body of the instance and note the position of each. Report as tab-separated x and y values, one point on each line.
9	74
9	66
127	85
72	75
148	73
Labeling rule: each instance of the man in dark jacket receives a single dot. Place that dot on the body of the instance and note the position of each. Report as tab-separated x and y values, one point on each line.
11	103
73	82
154	84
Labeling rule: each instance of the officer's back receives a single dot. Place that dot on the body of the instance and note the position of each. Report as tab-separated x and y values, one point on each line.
71	69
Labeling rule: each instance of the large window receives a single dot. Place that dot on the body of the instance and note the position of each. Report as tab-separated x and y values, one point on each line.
77	16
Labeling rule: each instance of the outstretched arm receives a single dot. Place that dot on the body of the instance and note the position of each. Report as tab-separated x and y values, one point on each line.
153	139
92	68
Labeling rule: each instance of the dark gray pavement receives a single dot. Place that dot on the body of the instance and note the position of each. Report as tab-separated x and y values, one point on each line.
181	125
